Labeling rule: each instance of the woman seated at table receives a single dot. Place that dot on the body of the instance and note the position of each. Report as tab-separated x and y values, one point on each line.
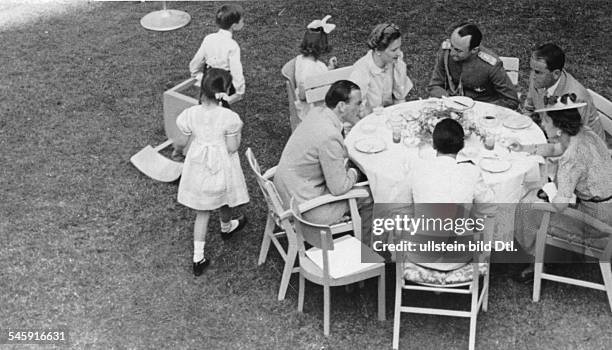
381	73
584	170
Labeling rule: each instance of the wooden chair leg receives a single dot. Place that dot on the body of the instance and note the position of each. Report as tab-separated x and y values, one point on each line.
381	297
265	243
485	286
397	313
537	280
607	277
474	310
472	340
540	247
301	294
326	307
287	271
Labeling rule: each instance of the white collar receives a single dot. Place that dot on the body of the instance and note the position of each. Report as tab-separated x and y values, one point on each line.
373	67
551	90
225	32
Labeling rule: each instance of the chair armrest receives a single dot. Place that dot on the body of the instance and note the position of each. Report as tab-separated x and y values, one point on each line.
183	85
362	184
576	215
285	215
328	198
269	173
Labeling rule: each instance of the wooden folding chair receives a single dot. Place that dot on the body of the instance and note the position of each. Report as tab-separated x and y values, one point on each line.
461	280
604	107
511	66
334	262
281	217
544	239
316	86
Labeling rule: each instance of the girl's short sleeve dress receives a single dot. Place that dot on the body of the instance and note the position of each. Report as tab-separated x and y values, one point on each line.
211	177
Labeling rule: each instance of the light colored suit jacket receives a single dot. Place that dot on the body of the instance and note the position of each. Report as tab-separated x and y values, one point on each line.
568	84
313	164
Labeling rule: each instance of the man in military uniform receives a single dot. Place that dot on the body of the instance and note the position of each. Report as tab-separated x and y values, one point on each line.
464	68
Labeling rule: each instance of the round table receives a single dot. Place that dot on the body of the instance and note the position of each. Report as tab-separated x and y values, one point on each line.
387	170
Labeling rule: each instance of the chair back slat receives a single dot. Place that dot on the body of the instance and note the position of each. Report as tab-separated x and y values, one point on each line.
319	236
431	233
316	86
266	186
511	66
604	107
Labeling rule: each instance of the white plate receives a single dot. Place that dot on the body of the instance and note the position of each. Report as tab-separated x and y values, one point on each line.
518	122
370	145
460	103
495	165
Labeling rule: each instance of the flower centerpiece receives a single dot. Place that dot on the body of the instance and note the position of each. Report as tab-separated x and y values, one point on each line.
429	117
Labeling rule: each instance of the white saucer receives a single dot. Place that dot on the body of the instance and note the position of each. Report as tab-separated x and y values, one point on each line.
495	165
370	145
518	122
458	103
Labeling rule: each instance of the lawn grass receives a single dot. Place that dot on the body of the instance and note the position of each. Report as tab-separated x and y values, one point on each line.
89	243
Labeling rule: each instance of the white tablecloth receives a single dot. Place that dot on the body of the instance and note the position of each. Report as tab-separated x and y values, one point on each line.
387	170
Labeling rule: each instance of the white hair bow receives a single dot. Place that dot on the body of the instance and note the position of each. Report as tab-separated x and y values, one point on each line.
221	96
322	23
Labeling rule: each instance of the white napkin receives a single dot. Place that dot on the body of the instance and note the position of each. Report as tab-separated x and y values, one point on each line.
551	191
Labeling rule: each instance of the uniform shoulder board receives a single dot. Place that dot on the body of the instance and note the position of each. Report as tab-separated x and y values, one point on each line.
466	162
490	59
446	45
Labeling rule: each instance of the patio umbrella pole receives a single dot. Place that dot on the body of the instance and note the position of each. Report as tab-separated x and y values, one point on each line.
165	20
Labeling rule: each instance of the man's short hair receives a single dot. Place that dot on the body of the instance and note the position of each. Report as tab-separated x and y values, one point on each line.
552	55
470	29
339	91
448	136
228	15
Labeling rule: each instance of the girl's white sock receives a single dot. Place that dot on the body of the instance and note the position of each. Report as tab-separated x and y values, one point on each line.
198	251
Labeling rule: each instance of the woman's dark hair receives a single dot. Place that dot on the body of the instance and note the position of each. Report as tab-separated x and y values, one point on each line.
339	91
567	120
215	80
383	35
448	136
315	43
228	15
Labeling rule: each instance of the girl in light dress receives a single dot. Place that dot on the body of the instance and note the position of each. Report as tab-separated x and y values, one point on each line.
212	177
307	64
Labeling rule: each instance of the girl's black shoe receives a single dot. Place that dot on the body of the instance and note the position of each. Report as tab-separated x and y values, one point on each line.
242	220
198	267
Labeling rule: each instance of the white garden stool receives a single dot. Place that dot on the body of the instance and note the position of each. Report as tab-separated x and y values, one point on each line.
165	20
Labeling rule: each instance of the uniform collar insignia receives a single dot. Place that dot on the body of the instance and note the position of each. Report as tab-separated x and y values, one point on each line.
487	58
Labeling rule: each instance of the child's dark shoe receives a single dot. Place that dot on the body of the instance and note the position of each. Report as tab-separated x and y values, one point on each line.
200	266
241	222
